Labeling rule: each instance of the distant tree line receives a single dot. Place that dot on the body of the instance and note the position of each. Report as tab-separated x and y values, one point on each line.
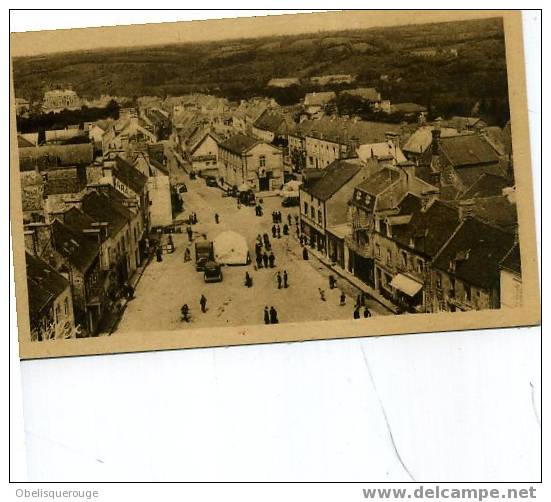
47	121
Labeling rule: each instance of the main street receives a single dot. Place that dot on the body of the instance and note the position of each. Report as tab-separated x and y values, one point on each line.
165	286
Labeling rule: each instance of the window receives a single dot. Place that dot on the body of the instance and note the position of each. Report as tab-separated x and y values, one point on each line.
312	213
438	280
319	216
389	257
404	256
66	306
377	250
262	160
419	266
306	208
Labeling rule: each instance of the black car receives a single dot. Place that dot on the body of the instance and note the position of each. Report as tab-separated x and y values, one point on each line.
290	202
212	272
211	181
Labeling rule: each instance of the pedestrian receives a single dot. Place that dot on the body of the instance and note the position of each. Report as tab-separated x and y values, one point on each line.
343	299
265	238
248	280
266	316
216	218
273	316
274	231
271	259
298	234
296	220
159	253
289	219
285	229
258	248
259	260
367	313
279	280
203	303
189	233
273	217
285	279
304	253
129	292
357	312
279	216
185	312
278	232
332	281
265	260
322	294
187	255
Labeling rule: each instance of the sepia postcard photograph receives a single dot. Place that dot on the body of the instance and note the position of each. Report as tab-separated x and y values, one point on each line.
271	179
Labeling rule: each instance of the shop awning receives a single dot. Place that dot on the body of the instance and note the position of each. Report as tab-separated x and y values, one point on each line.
406	284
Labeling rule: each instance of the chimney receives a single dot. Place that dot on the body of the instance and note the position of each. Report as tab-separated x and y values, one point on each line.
393	137
466	208
37	237
436	141
409	169
428	197
30	242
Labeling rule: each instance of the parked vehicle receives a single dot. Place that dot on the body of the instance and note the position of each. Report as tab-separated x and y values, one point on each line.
204	252
212	271
211	181
247	198
292	201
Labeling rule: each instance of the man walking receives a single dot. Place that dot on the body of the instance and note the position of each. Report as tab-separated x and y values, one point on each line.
285	279
357	312
367	313
216	218
265	260
322	294
266	316
259	260
203	303
271	259
278	280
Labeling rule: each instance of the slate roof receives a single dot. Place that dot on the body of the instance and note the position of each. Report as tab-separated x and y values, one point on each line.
477	250
318	98
44	284
428	230
56	155
421	139
79	249
129	175
239	143
270	121
467	150
512	259
487	185
379	181
334	177
497	211
366	93
104	209
341	130
64	181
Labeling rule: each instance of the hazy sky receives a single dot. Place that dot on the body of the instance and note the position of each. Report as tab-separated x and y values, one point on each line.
30	43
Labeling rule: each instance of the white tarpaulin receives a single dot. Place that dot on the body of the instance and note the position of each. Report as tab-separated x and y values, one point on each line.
290	189
230	248
405	284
